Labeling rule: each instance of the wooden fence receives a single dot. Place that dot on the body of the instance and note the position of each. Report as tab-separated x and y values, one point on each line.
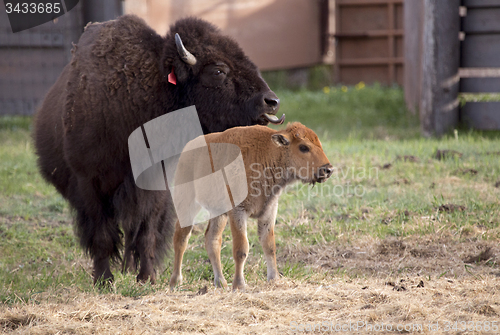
452	47
481	50
31	60
369	41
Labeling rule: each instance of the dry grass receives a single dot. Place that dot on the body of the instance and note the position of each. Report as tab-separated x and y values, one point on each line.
419	247
408	282
266	309
411	256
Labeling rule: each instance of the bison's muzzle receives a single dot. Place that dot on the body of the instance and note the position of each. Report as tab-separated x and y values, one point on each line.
271	106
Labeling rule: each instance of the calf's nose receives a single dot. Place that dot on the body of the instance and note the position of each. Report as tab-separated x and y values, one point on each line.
326	170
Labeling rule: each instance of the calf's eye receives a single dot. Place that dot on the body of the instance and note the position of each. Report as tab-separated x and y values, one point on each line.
303	148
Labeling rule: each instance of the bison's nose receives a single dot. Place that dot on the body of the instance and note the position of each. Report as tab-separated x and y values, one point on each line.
271	100
326	170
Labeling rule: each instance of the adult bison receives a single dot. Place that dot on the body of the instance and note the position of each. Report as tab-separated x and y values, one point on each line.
121	75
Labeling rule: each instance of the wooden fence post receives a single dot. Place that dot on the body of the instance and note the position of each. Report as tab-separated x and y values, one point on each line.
101	10
439	64
413	26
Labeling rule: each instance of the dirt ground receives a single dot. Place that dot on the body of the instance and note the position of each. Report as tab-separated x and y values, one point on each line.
415	285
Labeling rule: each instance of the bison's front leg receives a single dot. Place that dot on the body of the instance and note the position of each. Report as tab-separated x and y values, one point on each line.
181	238
266	238
238	221
99	233
213	242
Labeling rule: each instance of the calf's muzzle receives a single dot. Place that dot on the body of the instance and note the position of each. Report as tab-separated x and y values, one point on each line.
324	172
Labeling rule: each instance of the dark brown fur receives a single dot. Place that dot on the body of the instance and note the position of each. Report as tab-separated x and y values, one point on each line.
117	81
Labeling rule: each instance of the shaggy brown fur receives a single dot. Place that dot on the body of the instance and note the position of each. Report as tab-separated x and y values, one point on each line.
117	81
273	159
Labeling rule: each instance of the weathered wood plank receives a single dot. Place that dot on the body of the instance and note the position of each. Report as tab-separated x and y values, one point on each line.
440	59
480	3
413	44
371	61
482	20
482	115
367	2
481	51
480	85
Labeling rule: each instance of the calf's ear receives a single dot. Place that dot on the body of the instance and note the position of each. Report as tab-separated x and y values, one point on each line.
280	140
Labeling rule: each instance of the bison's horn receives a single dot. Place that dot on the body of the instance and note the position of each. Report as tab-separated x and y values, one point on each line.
185	55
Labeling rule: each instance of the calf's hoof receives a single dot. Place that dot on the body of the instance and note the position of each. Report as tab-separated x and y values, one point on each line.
175	280
238	284
220	283
272	277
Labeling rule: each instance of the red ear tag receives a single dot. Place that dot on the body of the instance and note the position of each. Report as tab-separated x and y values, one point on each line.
172	79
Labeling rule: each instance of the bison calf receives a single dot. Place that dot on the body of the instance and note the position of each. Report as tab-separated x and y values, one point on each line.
273	160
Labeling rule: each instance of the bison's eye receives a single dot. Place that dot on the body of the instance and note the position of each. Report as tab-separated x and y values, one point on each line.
303	148
213	75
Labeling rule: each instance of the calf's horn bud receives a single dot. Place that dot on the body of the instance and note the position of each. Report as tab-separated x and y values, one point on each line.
185	55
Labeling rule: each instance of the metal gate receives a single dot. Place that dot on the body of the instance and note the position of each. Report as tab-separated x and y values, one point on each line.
31	60
480	55
369	37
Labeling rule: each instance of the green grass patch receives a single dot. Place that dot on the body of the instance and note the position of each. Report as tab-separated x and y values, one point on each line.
349	113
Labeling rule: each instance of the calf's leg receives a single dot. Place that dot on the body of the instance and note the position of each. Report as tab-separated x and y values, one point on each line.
238	222
181	238
213	242
266	238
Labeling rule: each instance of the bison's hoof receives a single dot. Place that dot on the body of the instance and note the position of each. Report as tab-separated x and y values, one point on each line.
143	278
104	280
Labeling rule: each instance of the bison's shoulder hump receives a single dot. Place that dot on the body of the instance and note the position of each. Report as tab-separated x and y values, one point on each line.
127	33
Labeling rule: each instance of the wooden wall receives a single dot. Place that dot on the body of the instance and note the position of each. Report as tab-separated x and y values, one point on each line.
452	47
480	60
275	34
369	36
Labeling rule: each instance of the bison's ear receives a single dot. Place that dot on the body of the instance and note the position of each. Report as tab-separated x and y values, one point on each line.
280	140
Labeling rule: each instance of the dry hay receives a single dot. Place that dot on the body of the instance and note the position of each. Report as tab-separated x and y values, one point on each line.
413	256
267	309
406	282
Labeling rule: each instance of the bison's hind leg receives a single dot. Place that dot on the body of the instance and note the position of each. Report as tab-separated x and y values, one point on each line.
146	241
130	255
147	219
